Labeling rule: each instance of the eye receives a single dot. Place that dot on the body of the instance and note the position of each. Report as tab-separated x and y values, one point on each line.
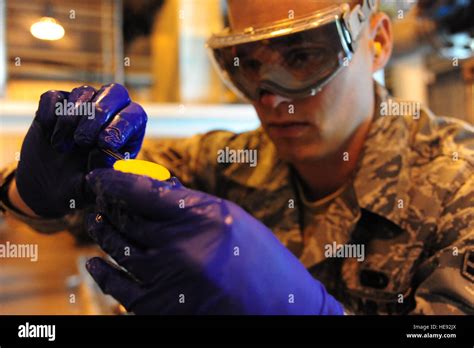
251	66
300	58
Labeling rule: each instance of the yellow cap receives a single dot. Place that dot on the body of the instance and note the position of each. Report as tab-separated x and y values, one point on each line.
139	167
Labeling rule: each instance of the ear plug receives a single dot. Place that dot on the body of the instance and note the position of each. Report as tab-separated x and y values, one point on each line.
377	48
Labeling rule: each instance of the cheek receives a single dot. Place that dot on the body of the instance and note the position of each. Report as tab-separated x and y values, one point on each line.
261	113
361	64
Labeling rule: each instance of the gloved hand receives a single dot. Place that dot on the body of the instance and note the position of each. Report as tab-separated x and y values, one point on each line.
187	252
60	148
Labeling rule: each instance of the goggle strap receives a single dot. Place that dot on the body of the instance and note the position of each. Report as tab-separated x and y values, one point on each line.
358	16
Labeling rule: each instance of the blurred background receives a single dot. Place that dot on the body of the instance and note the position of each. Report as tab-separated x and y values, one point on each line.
157	49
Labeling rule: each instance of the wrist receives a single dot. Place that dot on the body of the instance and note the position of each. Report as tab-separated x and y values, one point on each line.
17	202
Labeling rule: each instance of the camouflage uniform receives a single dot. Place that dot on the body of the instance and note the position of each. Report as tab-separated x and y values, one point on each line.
410	204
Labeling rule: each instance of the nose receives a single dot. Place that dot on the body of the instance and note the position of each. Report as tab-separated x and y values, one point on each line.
273	100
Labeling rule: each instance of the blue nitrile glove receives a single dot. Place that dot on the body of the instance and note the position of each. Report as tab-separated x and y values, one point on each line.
59	149
187	252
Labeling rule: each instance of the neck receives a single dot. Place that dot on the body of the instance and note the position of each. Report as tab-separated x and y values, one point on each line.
324	176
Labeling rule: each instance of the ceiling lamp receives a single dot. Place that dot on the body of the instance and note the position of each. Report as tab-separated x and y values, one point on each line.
47	28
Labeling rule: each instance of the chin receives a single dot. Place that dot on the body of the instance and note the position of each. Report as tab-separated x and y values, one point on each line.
302	153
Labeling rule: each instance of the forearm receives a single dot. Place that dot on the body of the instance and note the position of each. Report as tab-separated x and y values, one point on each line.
11	205
16	202
193	160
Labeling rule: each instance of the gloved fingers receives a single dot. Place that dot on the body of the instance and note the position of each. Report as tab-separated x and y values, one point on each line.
156	233
174	181
98	159
108	101
123	251
143	233
114	282
138	194
127	128
124	134
46	113
132	148
63	134
78	198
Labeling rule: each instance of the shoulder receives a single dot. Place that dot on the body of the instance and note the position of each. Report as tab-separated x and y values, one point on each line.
219	139
413	165
441	154
436	136
249	160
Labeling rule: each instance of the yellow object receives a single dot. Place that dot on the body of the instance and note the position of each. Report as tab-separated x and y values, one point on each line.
377	48
139	167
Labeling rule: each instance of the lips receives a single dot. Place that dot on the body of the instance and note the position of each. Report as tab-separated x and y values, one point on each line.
288	129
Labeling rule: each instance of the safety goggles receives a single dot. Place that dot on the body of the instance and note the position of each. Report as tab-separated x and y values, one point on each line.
292	58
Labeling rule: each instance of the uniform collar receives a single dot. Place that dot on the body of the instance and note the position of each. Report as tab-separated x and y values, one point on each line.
378	178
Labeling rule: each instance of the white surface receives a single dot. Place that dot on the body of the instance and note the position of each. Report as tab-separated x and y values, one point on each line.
164	120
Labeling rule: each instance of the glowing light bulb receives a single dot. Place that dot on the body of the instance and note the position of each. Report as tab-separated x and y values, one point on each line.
47	28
